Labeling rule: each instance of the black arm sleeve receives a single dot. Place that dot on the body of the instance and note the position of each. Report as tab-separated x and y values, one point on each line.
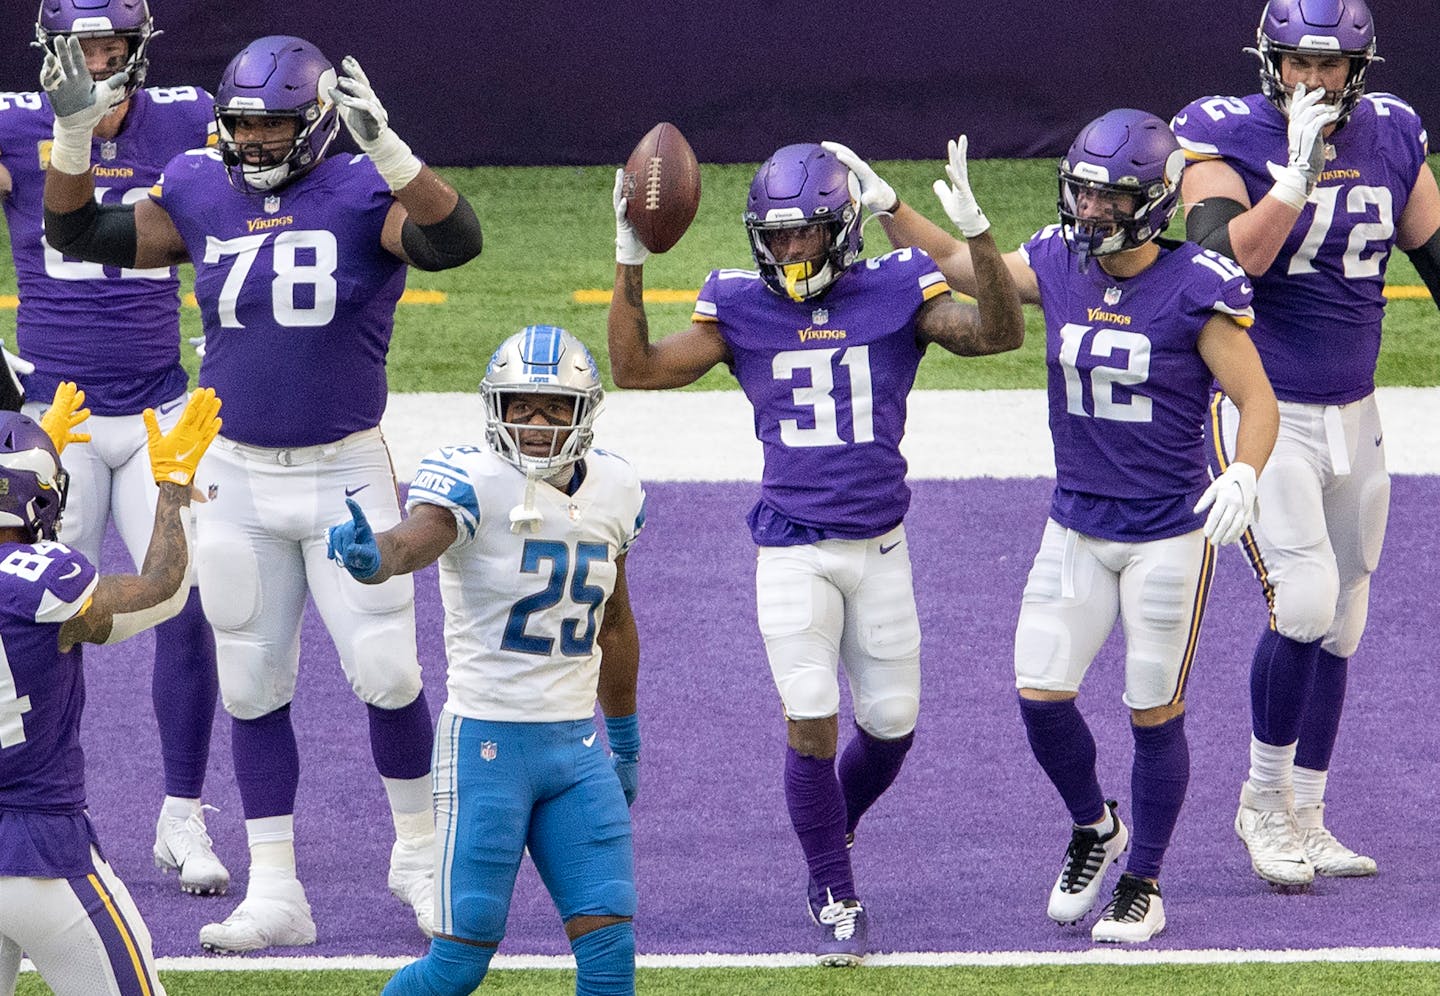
451	241
1427	260
98	233
12	395
1208	223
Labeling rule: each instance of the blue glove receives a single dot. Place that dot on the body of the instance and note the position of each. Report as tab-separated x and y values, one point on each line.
353	544
623	732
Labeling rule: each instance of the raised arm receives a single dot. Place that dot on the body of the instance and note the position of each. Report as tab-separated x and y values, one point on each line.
431	226
1218	212
371	557
907	227
619	641
674	361
113	234
994	324
126	604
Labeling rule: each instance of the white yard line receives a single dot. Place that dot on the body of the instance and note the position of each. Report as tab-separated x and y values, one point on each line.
710	436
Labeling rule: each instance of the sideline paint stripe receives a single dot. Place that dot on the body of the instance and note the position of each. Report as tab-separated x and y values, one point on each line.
918	959
595	295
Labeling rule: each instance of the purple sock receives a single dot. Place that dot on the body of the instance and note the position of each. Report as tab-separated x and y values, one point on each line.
1066	751
867	768
401	739
267	764
1280	679
817	811
1321	722
183	689
1157	790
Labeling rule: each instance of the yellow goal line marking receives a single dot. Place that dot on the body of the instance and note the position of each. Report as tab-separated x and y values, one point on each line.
10	301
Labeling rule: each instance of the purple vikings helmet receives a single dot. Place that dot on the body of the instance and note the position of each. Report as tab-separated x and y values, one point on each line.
542	359
1315	27
1124	156
276	77
127	19
800	186
32	483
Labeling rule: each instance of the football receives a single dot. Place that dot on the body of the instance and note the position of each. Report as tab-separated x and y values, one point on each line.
662	186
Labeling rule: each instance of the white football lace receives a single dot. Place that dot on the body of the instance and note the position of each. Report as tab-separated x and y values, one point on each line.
842	918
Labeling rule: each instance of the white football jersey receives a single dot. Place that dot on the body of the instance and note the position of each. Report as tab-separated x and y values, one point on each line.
522	609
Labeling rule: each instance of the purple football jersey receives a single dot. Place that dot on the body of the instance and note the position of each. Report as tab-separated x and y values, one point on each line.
115	332
296	294
829	380
1318	308
1128	387
43	829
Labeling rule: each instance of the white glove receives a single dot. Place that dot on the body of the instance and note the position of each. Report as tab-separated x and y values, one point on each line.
78	101
1233	504
956	197
629	250
199	343
368	124
1306	134
877	196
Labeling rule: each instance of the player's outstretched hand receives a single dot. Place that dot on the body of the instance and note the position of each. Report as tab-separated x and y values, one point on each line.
956	197
352	544
1233	504
77	100
873	193
369	124
174	455
64	414
629	250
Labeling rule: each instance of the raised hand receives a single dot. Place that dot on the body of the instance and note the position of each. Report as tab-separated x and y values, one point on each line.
873	193
63	415
174	455
369	124
956	197
629	250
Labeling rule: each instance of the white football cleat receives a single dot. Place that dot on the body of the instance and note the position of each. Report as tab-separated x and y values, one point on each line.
1330	857
184	845
1265	822
1135	914
1086	859
275	913
412	880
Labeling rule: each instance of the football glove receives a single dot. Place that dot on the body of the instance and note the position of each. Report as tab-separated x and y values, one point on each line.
352	544
956	197
873	193
623	732
629	250
174	455
12	392
63	415
1308	119
198	342
78	101
368	123
1233	504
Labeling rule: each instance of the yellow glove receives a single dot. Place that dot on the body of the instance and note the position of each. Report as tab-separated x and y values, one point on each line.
175	455
63	415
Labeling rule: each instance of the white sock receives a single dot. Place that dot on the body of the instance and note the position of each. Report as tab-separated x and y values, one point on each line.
1271	766
272	846
1309	786
1106	825
411	808
180	809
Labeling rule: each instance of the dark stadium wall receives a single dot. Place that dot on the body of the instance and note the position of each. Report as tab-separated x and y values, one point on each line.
503	82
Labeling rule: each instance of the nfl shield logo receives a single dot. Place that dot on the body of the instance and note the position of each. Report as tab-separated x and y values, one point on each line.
272	204
574	511
820	316
108	151
488	750
212	491
1112	295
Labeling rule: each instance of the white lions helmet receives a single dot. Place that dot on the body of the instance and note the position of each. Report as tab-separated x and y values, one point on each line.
542	359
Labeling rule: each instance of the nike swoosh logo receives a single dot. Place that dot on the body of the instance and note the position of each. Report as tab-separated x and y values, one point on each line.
1378	439
182	457
590	740
352	492
167	409
1246	289
75	568
886	549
